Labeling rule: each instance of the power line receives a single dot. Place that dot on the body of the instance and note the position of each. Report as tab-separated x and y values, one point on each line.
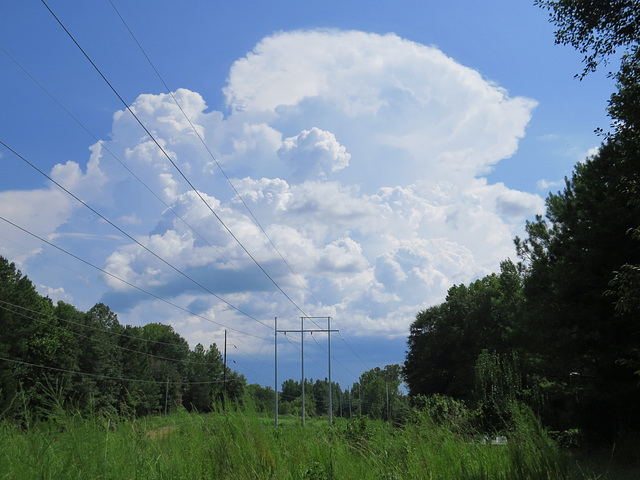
186	179
90	327
109	377
310	357
334	358
169	157
213	157
122	164
115	157
352	350
110	332
186	361
94	339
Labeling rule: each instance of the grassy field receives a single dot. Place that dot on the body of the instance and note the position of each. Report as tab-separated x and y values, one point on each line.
245	445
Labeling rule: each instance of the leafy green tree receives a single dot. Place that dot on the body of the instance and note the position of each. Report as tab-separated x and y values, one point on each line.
262	397
321	396
55	355
624	108
584	262
427	367
445	340
140	392
204	375
24	314
290	390
596	28
574	254
101	358
335	397
169	353
499	387
83	387
235	385
53	348
379	385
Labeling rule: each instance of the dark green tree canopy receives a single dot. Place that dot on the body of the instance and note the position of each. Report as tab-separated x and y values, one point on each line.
92	362
445	340
596	28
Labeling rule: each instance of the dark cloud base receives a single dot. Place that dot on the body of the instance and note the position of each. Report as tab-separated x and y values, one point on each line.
219	282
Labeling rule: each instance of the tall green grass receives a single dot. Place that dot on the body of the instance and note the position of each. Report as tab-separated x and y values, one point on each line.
241	444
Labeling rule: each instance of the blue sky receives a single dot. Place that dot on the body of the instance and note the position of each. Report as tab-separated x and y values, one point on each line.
388	150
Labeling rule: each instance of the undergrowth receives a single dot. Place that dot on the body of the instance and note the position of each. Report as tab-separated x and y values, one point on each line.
242	444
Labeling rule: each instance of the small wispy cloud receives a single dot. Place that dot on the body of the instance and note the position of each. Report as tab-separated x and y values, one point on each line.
549	137
131	219
547	185
55	294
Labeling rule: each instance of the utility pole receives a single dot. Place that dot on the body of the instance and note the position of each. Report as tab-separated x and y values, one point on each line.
302	331
224	372
359	400
302	356
166	397
388	412
329	349
275	332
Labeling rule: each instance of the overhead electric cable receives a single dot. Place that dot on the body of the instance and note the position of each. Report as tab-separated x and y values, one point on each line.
195	130
94	339
334	358
130	237
97	375
178	169
354	352
169	158
308	356
125	281
90	327
115	157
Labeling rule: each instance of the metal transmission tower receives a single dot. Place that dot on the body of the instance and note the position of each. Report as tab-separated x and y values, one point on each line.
302	331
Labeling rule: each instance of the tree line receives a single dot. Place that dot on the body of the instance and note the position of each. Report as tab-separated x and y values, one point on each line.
56	355
558	329
377	394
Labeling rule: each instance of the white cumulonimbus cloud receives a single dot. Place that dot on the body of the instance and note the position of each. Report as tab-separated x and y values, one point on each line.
363	157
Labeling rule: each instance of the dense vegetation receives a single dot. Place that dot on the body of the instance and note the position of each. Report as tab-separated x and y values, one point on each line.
559	330
377	395
238	444
94	363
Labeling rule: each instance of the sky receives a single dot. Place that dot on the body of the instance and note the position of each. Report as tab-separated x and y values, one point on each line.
335	159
